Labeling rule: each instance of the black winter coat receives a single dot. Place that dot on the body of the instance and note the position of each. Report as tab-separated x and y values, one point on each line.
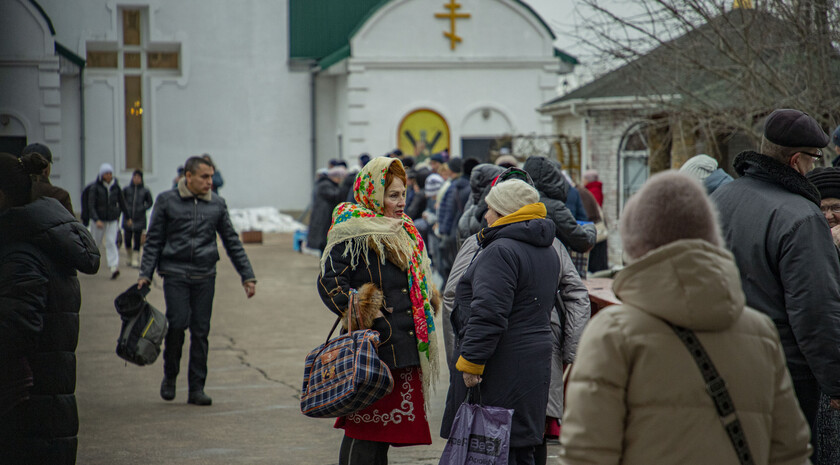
549	180
397	342
41	248
789	269
105	204
502	321
326	196
138	199
181	239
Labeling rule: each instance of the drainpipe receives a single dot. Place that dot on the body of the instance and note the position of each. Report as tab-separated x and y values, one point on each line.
313	73
82	126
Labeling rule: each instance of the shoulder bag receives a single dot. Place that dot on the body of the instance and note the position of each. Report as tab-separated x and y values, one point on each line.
344	375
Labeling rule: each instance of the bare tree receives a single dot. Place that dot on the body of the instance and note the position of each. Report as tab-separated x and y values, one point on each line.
721	69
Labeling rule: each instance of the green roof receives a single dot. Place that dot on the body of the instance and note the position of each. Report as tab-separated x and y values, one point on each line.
321	30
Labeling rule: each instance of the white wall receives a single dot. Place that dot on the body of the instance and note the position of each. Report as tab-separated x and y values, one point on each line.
401	62
235	98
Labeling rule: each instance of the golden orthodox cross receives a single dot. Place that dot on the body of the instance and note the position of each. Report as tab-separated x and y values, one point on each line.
452	6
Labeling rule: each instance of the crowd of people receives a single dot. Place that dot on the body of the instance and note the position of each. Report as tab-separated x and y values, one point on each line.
725	346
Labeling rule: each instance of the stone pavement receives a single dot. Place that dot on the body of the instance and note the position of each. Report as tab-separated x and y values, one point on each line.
257	349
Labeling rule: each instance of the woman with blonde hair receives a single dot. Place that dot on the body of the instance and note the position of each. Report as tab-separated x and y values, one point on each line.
373	247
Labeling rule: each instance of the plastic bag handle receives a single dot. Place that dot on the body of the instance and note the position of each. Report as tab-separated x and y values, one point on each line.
473	393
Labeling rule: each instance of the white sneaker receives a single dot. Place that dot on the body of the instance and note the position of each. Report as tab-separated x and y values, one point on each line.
135	260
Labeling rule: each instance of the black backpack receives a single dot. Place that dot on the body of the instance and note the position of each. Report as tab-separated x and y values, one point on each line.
143	327
85	211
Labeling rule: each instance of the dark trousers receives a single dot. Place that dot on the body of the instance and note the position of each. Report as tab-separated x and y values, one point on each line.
360	452
808	394
521	456
189	304
599	257
132	236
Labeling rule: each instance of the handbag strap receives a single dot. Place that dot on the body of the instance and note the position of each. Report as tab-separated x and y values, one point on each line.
716	388
352	314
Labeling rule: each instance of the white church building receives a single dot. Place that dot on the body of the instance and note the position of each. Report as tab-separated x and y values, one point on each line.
270	89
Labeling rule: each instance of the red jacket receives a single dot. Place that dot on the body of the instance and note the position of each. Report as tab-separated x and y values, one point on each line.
595	188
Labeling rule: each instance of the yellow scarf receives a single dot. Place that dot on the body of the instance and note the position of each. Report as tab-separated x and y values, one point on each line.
528	212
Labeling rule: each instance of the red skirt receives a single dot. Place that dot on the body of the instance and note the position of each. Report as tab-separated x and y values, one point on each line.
398	418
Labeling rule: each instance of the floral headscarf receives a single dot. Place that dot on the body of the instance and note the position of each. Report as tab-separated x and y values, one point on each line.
360	226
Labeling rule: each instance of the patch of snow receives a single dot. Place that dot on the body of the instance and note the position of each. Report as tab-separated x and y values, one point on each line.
265	219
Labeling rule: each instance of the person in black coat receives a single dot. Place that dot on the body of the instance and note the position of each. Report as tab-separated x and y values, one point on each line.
138	199
106	204
502	313
42	248
326	196
181	245
771	221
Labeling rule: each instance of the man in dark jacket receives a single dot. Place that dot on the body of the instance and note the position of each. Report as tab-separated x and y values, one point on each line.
181	245
42	248
106	204
771	221
41	185
138	199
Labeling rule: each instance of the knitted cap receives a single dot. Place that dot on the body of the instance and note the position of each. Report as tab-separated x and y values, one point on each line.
43	150
669	207
699	167
105	168
509	196
433	183
827	181
793	128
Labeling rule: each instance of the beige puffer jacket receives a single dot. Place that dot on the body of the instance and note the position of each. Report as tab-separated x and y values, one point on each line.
635	394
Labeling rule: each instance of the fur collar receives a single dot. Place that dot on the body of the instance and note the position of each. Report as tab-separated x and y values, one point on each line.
186	193
756	164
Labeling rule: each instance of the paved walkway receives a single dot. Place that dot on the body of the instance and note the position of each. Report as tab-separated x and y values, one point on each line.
257	348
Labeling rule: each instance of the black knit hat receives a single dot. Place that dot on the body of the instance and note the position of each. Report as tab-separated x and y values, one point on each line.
827	181
793	128
38	148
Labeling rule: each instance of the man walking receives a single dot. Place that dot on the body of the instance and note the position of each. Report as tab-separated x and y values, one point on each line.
181	245
771	221
106	204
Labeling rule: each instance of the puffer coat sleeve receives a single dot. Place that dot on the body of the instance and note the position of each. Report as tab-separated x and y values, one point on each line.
575	299
580	238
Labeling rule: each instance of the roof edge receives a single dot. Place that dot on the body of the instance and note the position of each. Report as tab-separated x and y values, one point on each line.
537	15
571	106
565	57
44	15
334	57
69	54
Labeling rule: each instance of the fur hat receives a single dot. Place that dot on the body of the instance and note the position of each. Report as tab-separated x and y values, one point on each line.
827	181
793	128
337	171
669	207
507	160
699	167
509	196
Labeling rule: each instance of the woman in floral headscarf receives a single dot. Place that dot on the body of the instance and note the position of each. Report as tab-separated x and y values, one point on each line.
373	247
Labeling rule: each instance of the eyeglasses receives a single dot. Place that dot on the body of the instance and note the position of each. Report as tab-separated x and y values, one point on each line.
817	155
834	208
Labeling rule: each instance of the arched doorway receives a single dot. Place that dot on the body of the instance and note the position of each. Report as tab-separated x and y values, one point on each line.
633	155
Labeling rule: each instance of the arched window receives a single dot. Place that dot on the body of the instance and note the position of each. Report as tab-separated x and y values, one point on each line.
633	154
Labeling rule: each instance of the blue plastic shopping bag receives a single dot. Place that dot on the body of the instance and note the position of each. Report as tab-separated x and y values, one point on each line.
480	435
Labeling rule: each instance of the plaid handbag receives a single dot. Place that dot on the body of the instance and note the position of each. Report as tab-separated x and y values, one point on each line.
344	375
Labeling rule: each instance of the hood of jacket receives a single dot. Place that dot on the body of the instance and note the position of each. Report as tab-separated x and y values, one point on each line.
185	193
481	177
538	232
762	167
50	227
548	177
690	283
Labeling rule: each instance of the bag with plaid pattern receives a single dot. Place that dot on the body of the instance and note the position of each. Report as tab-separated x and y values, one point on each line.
344	375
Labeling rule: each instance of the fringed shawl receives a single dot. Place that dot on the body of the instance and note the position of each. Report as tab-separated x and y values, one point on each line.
363	226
